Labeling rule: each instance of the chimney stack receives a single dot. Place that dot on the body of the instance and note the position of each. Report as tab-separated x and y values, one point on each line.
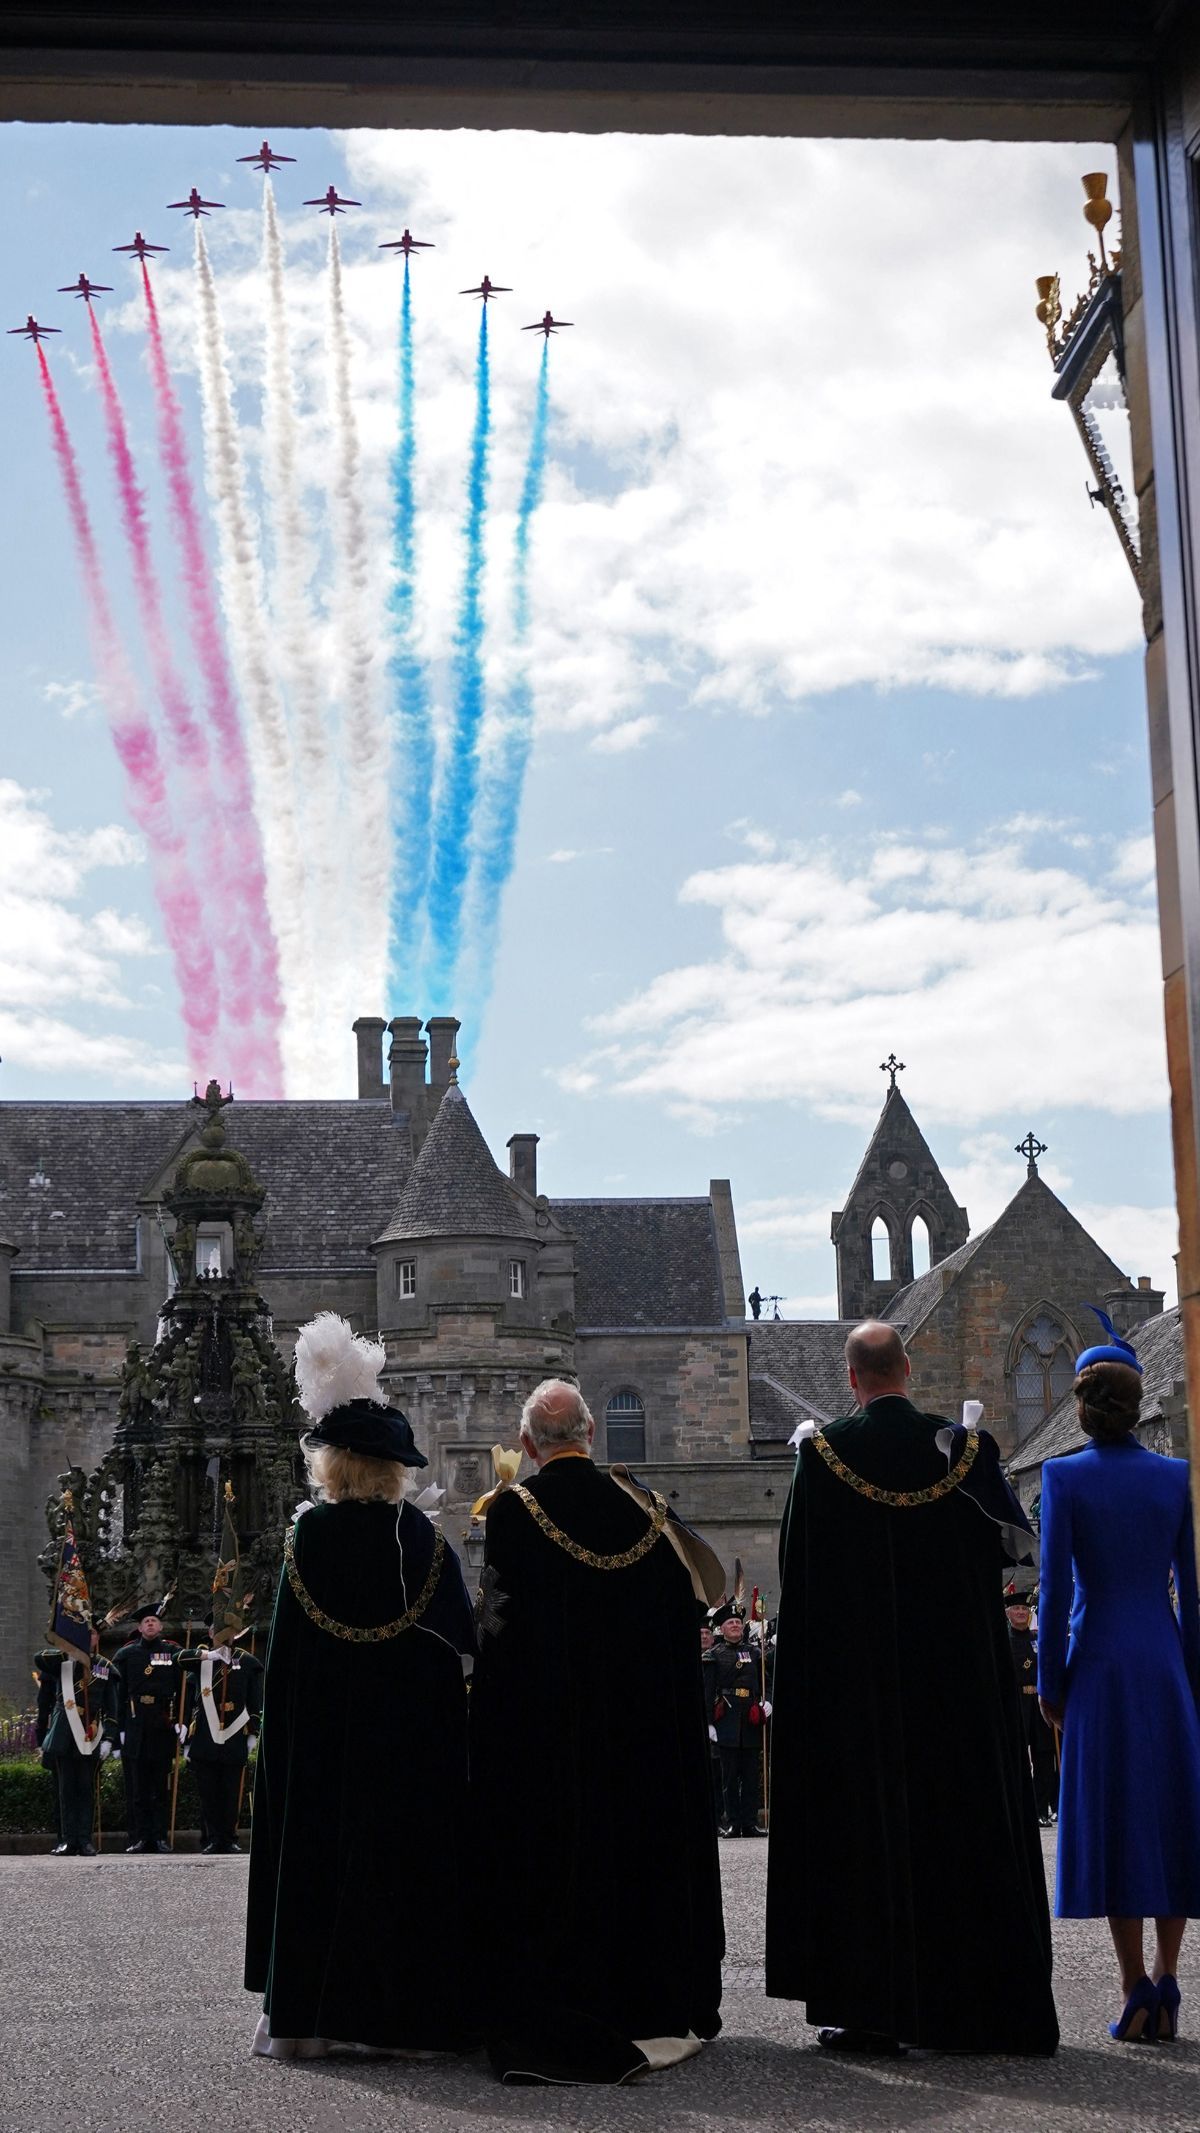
406	1064
368	1031
522	1162
442	1032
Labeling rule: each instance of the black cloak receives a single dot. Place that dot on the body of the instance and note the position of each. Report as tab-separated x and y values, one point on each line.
354	1927
591	1796
905	1889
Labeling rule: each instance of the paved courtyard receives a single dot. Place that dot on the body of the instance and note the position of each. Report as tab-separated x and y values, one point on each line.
121	2011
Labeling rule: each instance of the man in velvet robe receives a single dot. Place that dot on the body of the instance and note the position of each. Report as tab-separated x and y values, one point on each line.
906	1898
591	1804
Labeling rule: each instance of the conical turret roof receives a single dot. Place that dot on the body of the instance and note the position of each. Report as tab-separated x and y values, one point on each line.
455	1188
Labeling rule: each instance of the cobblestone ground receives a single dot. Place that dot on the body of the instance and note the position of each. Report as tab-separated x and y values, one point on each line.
121	2012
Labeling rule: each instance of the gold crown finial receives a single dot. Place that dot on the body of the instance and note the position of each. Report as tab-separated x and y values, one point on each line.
1097	210
453	1064
1049	310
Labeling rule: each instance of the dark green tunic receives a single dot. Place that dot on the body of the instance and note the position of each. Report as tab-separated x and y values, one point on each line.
591	1797
357	1900
906	1892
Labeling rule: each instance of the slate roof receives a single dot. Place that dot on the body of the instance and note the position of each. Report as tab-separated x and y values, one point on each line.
332	1172
910	1305
804	1360
455	1188
644	1262
1159	1343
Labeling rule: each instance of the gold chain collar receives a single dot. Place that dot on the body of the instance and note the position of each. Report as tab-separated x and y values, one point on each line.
901	1499
347	1630
586	1555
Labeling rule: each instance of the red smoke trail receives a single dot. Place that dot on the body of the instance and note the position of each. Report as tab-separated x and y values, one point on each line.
137	749
252	939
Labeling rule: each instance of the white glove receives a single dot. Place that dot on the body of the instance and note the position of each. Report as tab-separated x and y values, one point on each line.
766	1709
181	1730
251	1743
104	1750
122	1740
712	1732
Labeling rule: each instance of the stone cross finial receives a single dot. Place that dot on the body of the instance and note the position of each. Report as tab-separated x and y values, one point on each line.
891	1066
1031	1147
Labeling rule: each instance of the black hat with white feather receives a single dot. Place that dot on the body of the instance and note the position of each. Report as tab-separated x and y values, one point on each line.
337	1373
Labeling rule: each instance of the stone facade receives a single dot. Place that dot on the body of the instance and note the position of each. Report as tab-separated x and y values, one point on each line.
392	1210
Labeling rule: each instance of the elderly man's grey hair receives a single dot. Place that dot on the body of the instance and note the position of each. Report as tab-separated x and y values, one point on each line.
556	1416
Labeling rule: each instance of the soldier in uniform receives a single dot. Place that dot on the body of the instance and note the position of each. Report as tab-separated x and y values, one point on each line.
738	1714
146	1702
1039	1740
222	1708
73	1766
708	1647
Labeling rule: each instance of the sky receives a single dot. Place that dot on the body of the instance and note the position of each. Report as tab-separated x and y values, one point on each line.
839	739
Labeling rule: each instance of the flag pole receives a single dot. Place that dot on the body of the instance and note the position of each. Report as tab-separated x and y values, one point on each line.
187	1642
245	1766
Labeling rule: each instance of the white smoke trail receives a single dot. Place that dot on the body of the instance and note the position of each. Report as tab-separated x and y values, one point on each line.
365	749
243	598
327	915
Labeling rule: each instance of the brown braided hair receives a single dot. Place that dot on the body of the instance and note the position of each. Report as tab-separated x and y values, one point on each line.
1109	1400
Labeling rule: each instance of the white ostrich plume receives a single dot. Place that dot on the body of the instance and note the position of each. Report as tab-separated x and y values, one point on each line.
335	1365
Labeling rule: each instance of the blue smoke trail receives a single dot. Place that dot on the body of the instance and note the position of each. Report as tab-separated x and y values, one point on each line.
412	776
456	800
495	843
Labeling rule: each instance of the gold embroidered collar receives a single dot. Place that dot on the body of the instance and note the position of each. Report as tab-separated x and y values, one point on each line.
901	1499
586	1555
347	1630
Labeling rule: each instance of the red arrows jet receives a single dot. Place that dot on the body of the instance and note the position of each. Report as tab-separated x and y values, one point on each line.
487	287
195	205
266	158
139	248
409	244
331	202
547	324
85	288
32	331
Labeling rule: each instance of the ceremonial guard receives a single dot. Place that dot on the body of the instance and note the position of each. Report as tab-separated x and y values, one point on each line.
906	1897
1039	1741
222	1700
596	1856
739	1714
358	1886
148	1682
79	1735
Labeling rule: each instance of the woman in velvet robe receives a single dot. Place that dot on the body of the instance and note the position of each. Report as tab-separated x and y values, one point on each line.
357	1883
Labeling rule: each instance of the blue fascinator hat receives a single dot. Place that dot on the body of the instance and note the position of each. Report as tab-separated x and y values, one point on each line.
1114	1350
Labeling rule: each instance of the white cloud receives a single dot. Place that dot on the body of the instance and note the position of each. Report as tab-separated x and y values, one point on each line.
618	740
849	798
970	962
73	699
54	955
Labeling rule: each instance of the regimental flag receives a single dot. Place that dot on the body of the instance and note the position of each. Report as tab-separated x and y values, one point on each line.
228	1599
71	1609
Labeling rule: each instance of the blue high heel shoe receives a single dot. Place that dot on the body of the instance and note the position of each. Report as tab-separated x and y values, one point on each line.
1168	2010
1143	2003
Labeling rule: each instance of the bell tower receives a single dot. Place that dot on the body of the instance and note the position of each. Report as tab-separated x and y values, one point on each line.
898	1184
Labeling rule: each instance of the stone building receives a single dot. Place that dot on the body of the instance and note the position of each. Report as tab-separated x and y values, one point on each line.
1164	1418
391	1209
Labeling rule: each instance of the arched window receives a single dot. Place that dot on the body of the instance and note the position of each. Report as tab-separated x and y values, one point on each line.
922	1258
881	1250
1043	1370
625	1427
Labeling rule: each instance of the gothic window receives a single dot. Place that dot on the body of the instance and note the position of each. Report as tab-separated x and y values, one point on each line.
516	1277
406	1277
1043	1370
213	1251
625	1427
881	1250
922	1257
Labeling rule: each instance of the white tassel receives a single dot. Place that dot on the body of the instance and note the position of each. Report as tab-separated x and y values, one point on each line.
335	1365
972	1413
801	1431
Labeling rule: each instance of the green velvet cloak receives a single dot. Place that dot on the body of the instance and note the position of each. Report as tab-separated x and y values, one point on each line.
906	1892
356	1914
591	1797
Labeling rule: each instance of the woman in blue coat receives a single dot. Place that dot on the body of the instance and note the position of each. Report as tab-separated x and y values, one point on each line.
1119	1673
